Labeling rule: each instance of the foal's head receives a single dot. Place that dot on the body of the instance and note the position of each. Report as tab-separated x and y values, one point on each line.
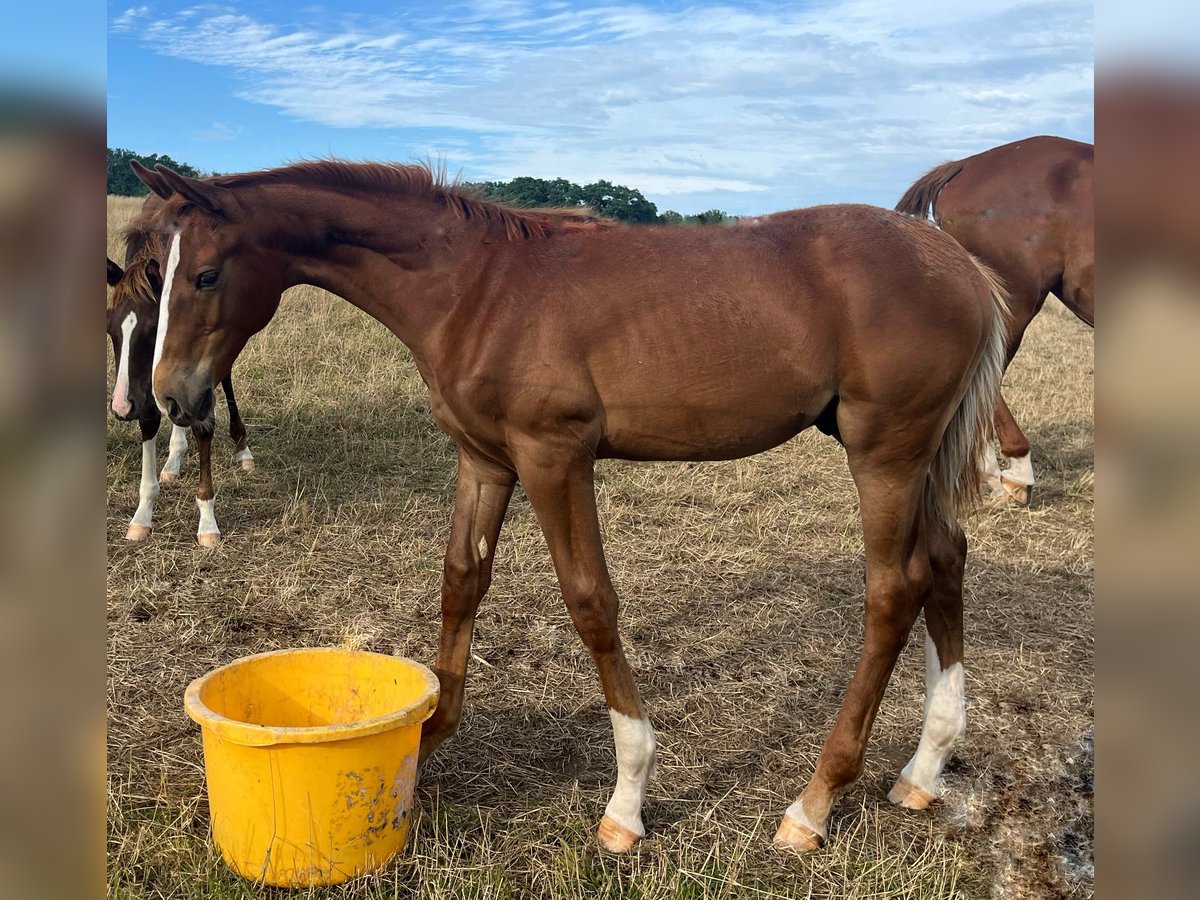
132	324
219	287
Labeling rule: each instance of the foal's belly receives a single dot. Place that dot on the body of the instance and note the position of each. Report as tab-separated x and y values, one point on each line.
707	421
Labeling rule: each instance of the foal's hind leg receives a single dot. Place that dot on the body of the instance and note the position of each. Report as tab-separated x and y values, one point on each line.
945	710
480	499
559	483
898	584
237	429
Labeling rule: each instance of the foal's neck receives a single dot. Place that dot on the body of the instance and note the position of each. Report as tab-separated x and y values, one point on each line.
393	257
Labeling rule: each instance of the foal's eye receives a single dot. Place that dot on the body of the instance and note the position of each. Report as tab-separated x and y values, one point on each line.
207	279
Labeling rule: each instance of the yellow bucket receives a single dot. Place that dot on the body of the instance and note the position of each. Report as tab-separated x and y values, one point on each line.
311	760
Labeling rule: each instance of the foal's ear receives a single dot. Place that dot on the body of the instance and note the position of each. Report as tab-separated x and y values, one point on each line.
154	275
114	273
152	180
209	197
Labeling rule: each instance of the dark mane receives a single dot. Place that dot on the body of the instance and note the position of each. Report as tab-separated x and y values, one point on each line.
422	180
143	243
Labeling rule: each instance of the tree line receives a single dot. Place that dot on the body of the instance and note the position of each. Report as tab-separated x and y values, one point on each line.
612	201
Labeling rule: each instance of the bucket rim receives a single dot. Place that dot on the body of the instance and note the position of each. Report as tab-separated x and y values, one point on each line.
252	735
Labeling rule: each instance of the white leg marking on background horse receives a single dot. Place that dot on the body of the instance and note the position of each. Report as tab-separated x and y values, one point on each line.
142	521
945	721
635	743
164	308
208	516
989	469
1019	469
175	452
120	398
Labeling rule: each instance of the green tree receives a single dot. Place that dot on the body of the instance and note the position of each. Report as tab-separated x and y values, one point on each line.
670	217
121	179
613	201
708	217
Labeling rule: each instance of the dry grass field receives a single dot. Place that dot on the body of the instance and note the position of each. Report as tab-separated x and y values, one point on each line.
742	596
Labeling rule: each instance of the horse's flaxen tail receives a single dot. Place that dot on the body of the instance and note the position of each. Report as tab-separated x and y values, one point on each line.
919	199
953	486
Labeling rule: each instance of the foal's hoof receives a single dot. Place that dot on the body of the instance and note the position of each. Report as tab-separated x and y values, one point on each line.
905	793
616	838
247	465
137	532
209	539
165	477
1016	492
797	837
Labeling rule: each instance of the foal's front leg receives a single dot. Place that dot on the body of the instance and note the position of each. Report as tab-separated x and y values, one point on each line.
208	534
143	519
560	487
480	500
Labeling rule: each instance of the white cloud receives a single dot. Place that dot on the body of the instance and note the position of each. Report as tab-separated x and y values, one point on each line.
129	18
218	131
700	100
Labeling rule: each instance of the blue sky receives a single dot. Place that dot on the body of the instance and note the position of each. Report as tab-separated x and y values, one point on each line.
746	106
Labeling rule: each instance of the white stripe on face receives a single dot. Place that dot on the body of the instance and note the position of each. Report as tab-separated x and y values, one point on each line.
120	398
164	314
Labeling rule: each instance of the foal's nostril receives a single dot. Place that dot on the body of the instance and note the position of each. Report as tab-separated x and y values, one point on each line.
133	408
173	409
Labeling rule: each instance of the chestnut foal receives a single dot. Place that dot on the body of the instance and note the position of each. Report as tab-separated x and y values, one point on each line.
133	309
1025	209
549	340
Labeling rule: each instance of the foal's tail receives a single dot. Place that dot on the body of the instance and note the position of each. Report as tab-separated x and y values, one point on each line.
953	485
920	198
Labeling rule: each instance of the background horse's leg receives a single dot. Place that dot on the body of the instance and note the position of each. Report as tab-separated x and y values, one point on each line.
559	483
142	522
176	451
945	704
208	534
237	429
1016	473
899	580
480	500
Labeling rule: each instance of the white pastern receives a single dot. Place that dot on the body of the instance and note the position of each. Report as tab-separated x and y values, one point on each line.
945	721
1019	469
989	468
796	813
208	516
243	455
120	398
164	309
177	450
148	489
635	743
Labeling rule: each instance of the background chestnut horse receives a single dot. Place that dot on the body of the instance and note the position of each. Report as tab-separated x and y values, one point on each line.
1026	210
132	313
549	340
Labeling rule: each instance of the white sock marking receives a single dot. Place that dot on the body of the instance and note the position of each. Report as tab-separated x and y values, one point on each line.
208	516
1019	469
635	743
176	450
990	468
148	489
164	309
120	398
797	813
243	455
945	721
